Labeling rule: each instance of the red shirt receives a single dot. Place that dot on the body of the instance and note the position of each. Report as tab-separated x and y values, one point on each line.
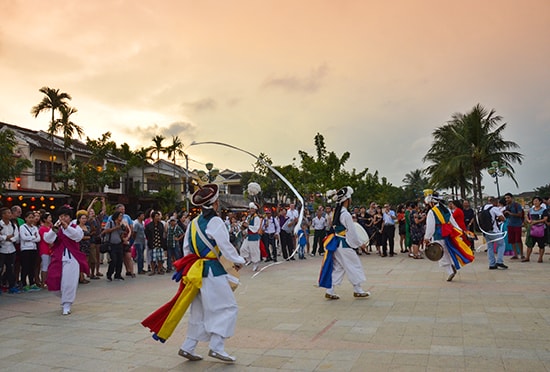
458	215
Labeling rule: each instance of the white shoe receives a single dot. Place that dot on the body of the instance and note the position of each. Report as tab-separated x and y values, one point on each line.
361	294
255	267
223	356
66	312
187	355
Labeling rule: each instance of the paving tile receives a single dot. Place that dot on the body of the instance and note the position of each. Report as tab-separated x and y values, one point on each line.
414	321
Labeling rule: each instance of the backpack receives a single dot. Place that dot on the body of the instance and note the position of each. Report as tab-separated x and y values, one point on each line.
485	220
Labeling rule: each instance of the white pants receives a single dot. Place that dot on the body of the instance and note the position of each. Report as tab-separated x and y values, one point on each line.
250	251
445	262
69	279
212	315
347	262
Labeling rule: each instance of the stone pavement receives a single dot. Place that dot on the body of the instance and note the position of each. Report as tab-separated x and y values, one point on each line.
484	320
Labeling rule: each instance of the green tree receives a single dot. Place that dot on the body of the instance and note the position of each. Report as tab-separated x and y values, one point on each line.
141	159
317	174
415	182
92	175
68	128
134	159
543	191
52	101
466	146
11	166
166	197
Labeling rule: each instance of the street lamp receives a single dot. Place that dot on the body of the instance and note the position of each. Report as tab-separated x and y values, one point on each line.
211	175
186	182
496	170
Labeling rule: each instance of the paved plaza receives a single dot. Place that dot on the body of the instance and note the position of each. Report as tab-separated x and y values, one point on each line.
484	320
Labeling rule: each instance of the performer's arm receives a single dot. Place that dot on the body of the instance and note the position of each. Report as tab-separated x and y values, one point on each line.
216	230
49	236
74	232
430	227
186	249
351	234
257	224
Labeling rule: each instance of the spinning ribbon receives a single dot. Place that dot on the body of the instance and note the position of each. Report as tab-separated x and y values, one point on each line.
278	174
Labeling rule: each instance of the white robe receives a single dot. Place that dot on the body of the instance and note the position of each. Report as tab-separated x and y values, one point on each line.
250	250
214	309
346	260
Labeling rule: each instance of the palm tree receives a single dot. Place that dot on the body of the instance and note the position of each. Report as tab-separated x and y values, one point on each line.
68	128
446	169
467	145
52	101
140	159
415	182
158	148
175	149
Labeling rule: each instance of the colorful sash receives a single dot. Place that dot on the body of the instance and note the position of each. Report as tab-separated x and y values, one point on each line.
189	270
330	243
460	252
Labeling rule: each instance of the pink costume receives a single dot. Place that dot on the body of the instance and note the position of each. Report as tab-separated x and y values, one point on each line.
67	263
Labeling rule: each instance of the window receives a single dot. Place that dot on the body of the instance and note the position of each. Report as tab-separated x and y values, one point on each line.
42	170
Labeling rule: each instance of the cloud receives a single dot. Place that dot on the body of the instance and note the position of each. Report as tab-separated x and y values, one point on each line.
205	104
308	84
179	128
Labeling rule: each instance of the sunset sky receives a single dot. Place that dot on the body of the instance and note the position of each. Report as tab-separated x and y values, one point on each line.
374	77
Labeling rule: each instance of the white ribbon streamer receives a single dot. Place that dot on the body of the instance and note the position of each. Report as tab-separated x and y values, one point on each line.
278	174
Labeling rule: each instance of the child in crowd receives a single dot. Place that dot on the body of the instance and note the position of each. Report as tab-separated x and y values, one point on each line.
302	240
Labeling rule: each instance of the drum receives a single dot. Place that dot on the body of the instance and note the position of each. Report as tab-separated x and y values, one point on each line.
363	236
434	251
232	273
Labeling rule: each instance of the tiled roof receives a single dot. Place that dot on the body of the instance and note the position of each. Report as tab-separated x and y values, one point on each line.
42	140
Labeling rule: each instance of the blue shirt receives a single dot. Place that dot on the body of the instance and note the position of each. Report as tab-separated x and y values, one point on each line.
514	220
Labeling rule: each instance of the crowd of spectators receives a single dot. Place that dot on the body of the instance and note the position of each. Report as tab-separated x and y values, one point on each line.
152	242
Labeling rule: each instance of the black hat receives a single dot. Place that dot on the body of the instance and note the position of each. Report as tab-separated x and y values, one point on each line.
206	195
64	210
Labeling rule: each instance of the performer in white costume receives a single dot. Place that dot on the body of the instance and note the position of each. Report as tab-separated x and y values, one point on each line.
442	228
213	312
345	260
250	249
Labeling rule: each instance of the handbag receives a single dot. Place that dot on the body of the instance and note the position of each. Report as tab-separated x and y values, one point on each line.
105	246
537	231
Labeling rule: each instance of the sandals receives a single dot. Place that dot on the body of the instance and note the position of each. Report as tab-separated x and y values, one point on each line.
332	296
